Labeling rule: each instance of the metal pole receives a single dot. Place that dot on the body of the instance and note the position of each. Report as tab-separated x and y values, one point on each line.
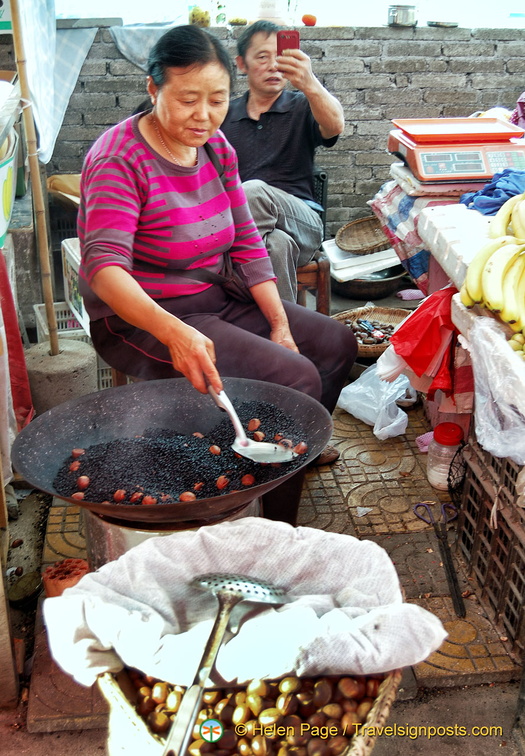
36	183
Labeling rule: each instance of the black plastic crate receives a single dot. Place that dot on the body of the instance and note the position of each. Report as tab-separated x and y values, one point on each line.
494	552
501	471
62	224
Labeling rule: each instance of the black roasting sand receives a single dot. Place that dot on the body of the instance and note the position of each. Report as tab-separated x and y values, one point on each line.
164	464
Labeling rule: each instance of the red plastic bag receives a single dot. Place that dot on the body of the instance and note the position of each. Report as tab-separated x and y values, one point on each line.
422	340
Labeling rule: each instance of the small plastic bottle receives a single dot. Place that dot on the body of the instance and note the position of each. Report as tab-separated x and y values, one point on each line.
441	450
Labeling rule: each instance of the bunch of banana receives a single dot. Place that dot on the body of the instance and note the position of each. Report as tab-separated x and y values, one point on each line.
495	279
510	218
517	343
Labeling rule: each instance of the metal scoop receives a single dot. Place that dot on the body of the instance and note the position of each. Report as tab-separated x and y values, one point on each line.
229	590
258	451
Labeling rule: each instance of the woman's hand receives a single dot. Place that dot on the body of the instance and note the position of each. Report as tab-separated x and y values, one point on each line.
269	302
193	355
281	335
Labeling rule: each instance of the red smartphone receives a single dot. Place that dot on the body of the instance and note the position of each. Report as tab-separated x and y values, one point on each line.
287	39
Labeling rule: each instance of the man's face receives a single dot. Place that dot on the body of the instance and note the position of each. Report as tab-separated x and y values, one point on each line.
260	65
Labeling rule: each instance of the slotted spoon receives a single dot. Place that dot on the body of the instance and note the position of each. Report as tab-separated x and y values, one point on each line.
258	451
229	590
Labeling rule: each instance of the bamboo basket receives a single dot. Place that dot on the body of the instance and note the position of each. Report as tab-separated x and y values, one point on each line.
386	315
126	726
362	236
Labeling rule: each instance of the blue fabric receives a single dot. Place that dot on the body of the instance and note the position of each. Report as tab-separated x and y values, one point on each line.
417	265
503	186
404	207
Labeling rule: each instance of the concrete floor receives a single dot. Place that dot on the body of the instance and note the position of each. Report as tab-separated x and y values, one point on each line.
472	680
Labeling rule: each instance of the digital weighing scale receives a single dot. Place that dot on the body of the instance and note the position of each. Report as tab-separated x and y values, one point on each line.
456	149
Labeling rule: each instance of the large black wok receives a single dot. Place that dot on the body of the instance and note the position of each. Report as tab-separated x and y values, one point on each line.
42	447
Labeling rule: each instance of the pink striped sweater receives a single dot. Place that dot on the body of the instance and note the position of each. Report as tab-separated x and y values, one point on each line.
141	212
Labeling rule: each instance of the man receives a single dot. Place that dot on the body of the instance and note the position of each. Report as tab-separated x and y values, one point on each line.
275	133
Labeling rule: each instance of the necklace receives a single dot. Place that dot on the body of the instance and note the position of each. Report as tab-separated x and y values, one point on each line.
163	143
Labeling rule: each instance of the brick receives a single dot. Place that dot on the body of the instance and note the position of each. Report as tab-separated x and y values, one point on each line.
477	65
93	68
92	101
337	50
430	81
511	49
398	65
497	34
487	82
372	127
402	111
383	97
515	65
470	49
365	81
74	133
104	117
417	49
451	96
329	65
123	68
108	85
373	158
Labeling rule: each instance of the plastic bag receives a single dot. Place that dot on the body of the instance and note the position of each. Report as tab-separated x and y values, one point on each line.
499	391
374	402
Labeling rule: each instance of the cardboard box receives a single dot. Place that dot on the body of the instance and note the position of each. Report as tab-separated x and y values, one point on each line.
70	266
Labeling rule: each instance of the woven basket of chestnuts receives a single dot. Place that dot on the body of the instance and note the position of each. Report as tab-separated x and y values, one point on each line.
372	327
323	716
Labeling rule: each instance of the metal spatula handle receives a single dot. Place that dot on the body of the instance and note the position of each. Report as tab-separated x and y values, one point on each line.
181	731
222	401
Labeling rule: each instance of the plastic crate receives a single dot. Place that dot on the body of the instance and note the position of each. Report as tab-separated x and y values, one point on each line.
70	266
62	222
495	556
67	324
501	471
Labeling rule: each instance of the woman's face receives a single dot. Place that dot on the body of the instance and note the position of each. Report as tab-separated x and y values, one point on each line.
192	103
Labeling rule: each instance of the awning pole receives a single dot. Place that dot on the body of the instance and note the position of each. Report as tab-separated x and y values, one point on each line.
36	181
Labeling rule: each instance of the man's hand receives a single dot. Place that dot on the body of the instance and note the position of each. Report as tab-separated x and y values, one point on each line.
296	66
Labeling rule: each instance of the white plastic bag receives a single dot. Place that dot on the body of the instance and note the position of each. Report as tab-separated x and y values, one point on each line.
499	391
374	402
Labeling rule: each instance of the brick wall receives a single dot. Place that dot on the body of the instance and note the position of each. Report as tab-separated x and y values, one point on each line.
377	73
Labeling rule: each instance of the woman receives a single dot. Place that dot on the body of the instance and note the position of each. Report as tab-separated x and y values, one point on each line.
152	204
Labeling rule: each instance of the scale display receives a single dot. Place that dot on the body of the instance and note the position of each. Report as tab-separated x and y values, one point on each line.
455	162
461	164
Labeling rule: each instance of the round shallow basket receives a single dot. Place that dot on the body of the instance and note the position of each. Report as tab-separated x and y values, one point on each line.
362	236
384	315
125	724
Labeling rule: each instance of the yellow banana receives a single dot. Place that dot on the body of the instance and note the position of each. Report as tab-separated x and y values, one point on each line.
520	301
499	223
465	298
494	273
477	264
518	220
510	312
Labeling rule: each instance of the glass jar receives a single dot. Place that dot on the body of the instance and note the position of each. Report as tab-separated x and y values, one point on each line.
441	450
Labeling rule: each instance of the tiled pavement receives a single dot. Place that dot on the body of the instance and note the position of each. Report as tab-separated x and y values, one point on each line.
369	493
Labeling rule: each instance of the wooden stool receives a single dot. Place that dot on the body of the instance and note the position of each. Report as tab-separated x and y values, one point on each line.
315	277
